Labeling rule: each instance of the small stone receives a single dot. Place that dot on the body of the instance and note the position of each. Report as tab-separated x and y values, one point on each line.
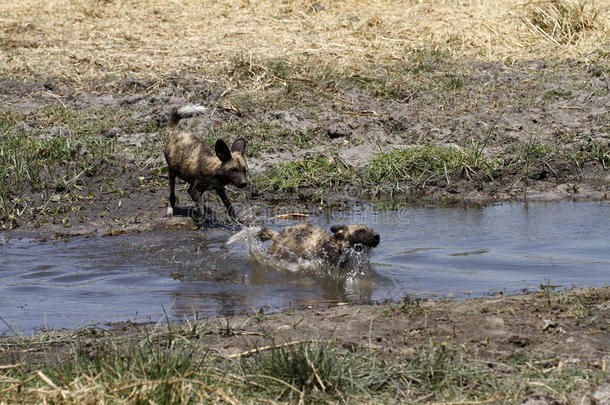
548	324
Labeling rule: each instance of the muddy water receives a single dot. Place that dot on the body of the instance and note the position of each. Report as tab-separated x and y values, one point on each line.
423	252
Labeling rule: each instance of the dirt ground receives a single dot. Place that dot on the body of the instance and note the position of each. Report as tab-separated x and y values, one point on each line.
569	327
556	331
563	105
572	326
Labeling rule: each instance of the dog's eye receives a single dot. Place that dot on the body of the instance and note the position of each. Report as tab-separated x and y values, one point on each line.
234	170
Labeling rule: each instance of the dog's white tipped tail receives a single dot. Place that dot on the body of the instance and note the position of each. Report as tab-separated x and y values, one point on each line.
245	234
184	112
191	109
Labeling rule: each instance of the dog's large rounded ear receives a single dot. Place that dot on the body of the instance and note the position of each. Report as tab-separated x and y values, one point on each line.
239	146
222	151
337	230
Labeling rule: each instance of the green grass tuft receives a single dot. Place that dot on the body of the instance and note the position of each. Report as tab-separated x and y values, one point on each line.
177	367
419	163
306	367
412	163
36	159
529	158
322	173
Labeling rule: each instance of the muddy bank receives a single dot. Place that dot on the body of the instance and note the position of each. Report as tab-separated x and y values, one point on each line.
533	131
570	324
547	347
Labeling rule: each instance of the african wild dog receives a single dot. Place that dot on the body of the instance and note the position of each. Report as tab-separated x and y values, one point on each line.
191	160
306	241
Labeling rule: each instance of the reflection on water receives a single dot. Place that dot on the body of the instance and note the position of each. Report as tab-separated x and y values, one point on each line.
423	251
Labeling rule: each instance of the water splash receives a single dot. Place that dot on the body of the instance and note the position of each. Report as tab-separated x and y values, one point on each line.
354	261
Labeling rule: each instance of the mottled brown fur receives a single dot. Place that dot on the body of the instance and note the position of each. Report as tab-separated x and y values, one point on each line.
306	241
191	160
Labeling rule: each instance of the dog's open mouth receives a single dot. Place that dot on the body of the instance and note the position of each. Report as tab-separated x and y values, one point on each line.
358	247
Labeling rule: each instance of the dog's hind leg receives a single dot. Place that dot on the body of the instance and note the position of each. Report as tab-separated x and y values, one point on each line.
172	194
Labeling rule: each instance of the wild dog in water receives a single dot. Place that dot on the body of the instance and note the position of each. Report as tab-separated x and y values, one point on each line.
189	159
308	242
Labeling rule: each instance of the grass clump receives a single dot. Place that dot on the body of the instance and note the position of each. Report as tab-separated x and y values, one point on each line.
412	163
556	94
49	161
177	367
562	21
536	159
422	70
314	370
246	67
531	159
596	151
426	60
156	369
89	122
148	368
304	368
444	370
421	163
322	173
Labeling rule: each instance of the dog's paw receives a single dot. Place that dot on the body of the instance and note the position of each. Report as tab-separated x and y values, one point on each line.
169	212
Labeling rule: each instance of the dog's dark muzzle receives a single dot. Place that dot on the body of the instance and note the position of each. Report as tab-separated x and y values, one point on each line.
375	240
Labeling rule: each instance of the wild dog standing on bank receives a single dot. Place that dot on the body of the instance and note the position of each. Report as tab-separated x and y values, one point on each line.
189	159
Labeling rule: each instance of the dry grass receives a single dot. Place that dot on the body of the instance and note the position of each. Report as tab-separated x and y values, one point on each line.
154	367
92	39
563	21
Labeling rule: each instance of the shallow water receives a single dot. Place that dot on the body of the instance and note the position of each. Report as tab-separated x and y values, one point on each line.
424	252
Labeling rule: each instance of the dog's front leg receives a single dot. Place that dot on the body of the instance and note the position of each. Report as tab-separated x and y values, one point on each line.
225	200
196	196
